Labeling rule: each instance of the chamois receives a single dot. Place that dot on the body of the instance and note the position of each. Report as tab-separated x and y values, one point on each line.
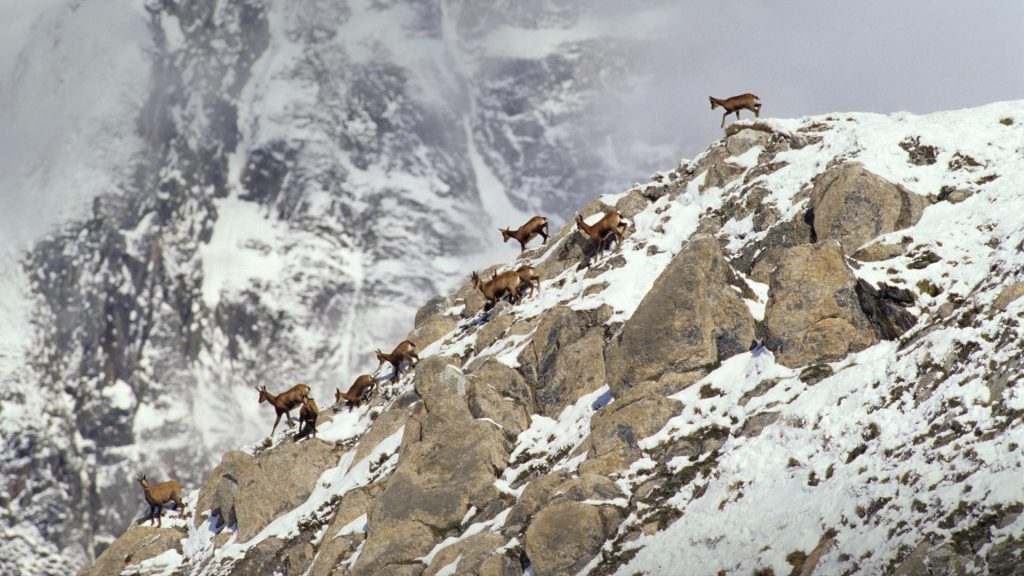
526	232
498	287
737	103
159	494
611	224
528	279
284	402
307	418
354	395
405	352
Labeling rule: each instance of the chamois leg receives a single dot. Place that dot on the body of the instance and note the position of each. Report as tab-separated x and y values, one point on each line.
757	111
522	245
276	422
179	505
724	116
544	233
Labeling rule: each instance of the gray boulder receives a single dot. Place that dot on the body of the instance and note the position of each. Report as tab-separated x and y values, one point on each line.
853	206
691	318
813	314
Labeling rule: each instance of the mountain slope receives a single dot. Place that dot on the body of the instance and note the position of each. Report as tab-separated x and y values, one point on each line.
243	192
805	358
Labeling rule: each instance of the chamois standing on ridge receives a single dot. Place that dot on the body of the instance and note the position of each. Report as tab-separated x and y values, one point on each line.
159	494
284	402
308	413
354	395
737	103
498	287
526	232
405	352
612	224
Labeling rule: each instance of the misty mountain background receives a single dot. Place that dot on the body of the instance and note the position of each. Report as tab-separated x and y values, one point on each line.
201	197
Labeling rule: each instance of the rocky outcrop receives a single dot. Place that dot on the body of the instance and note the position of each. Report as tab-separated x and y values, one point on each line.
448	464
565	357
853	206
137	544
813	313
691	318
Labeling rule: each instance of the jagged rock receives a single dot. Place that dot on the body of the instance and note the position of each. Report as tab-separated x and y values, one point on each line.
490	332
690	318
536	494
616	429
588	487
391	547
502	565
744	140
218	492
434	307
138	543
1008	295
563	537
884	308
565	357
264	559
432	330
878	252
386	424
334	548
813	314
282	478
853	206
756	423
471	553
632	204
759	259
501	394
441	384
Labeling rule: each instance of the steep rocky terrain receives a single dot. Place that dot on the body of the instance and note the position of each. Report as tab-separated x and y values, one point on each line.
270	192
805	359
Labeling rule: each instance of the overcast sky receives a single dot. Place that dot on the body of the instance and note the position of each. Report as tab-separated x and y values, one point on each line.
810	57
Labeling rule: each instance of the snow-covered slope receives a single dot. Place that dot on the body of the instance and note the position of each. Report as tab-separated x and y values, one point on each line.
904	456
209	196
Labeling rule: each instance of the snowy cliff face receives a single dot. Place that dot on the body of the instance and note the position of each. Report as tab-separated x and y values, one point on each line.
242	192
804	359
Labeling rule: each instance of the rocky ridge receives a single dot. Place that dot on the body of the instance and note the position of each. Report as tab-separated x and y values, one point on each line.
804	360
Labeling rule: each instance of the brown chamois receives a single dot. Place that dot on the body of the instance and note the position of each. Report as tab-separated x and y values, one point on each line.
611	224
284	402
307	418
526	232
528	279
354	395
737	103
159	494
405	353
498	287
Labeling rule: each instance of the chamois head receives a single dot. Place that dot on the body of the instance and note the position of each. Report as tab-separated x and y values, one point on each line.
713	103
338	396
263	394
142	480
476	279
381	357
505	234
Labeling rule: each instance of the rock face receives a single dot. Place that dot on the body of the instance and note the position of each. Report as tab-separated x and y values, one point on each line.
853	206
284	479
813	313
691	318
